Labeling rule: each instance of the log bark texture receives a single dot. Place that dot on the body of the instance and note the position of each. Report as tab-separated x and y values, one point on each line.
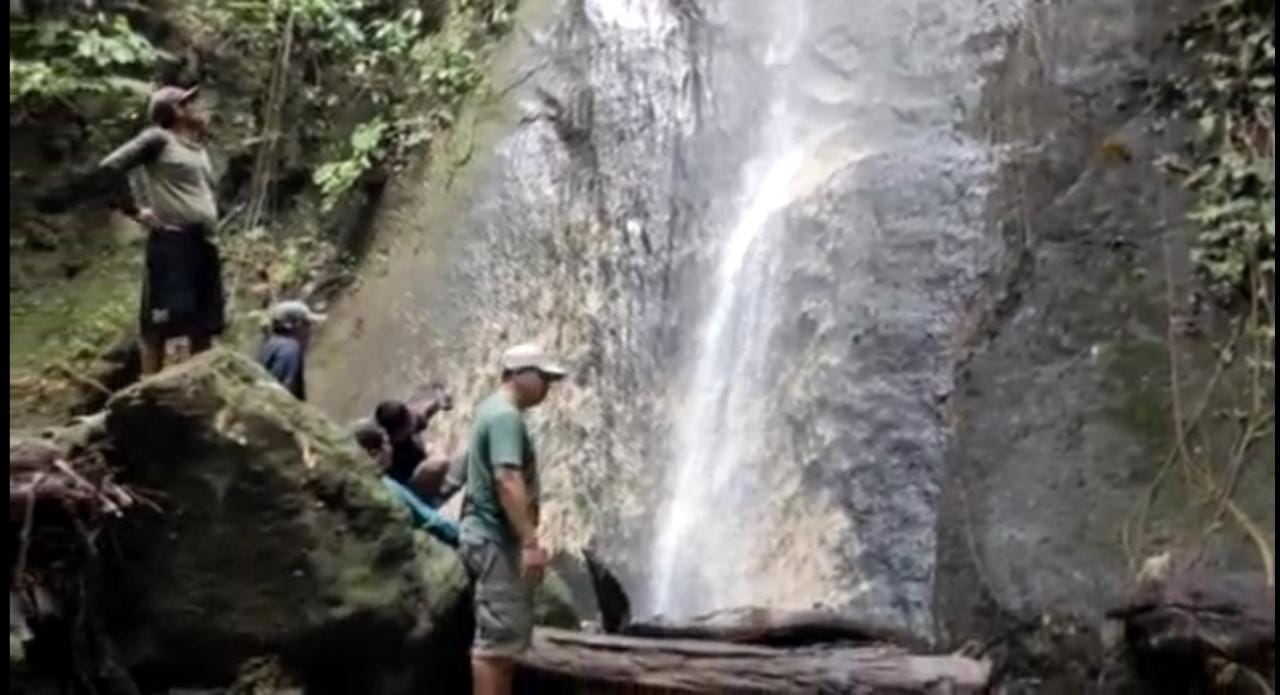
700	666
764	626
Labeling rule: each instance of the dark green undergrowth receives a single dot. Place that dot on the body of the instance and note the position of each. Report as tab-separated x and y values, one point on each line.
314	105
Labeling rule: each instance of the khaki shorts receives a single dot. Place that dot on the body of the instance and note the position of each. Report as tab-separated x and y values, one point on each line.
504	601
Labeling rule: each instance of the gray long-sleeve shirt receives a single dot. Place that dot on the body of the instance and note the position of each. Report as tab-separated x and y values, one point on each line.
176	178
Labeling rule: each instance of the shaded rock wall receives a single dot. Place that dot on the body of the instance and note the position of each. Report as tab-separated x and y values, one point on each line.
1062	417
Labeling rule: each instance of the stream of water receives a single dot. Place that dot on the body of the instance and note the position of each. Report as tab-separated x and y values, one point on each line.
724	406
881	83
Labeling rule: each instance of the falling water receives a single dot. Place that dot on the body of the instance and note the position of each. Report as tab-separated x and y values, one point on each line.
815	160
860	144
718	425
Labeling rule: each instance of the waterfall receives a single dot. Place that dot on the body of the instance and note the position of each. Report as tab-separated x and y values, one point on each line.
722	409
752	227
859	171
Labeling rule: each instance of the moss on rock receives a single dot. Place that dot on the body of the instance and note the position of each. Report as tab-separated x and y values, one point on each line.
275	538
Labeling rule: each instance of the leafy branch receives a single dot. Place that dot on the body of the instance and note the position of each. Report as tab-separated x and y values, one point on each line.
54	62
367	146
1232	180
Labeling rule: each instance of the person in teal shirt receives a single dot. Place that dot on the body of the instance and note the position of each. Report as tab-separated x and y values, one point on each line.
423	514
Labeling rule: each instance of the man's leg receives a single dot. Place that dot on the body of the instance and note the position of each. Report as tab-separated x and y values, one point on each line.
491	676
504	615
151	348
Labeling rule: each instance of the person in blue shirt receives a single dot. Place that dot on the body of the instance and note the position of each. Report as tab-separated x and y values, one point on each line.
284	351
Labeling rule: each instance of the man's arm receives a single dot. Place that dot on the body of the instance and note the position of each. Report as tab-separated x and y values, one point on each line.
109	179
440	403
142	149
516	504
507	453
522	516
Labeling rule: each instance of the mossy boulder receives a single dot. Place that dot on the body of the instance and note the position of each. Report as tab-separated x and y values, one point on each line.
553	604
275	539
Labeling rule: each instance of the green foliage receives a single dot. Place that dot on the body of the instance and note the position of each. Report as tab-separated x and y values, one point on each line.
285	266
498	15
1233	178
450	71
1235	211
407	76
396	68
59	60
367	145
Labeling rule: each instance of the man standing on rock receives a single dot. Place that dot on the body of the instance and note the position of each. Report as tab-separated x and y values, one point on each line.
182	294
499	529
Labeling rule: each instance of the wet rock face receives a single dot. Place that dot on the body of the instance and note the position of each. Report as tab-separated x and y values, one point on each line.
1062	416
594	227
275	539
572	232
926	405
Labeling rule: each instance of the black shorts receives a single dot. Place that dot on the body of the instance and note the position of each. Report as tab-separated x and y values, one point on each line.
182	291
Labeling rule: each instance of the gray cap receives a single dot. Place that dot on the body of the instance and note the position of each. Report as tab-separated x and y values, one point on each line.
167	98
531	356
294	312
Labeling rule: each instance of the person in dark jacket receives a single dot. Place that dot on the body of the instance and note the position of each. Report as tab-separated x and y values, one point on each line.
284	352
182	293
412	463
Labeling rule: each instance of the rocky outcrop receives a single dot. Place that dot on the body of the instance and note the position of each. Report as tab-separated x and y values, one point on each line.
275	539
968	393
1188	628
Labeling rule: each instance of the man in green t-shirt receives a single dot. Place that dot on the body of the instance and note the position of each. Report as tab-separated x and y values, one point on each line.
499	529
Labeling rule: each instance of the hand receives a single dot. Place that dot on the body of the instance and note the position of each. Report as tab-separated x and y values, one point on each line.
533	563
443	399
147	218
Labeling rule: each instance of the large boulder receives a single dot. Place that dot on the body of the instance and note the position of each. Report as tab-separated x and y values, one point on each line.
275	539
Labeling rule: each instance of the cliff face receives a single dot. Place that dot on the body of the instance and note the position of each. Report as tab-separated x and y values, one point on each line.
956	376
950	351
882	305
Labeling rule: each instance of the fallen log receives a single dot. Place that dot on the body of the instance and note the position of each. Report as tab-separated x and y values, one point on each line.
699	666
766	626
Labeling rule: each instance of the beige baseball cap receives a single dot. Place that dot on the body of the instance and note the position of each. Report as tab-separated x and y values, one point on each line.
532	356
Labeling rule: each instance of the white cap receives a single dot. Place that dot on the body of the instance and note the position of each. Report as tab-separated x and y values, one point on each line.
294	311
530	356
